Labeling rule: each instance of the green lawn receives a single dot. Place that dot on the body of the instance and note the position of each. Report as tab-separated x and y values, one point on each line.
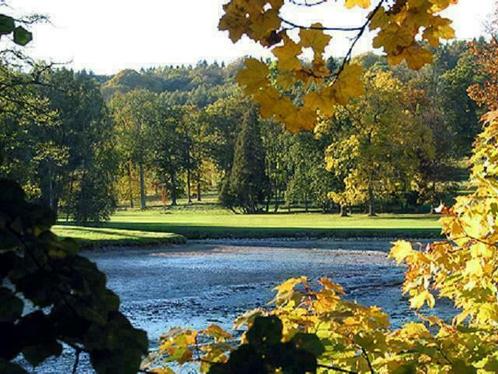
218	223
91	237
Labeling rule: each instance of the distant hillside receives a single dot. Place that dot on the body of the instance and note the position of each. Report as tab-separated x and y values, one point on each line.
203	82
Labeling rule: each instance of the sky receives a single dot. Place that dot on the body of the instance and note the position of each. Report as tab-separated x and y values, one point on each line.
106	36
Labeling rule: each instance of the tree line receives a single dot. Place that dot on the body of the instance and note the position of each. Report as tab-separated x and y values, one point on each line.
84	144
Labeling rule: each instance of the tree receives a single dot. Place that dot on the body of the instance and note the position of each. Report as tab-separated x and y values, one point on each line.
276	141
133	114
49	295
167	154
347	337
246	186
377	154
310	182
222	122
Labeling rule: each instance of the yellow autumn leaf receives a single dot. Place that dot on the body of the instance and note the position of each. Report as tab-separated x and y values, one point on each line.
165	370
234	21
315	39
329	285
474	268
348	85
415	56
361	3
254	76
290	284
264	23
287	55
323	103
217	332
421	299
401	250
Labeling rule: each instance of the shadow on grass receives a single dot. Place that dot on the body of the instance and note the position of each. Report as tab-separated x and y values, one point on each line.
113	232
221	232
402	218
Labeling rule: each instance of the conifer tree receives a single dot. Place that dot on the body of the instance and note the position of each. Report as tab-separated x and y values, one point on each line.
247	183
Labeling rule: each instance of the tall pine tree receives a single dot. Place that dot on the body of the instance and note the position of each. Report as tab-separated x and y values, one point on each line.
246	186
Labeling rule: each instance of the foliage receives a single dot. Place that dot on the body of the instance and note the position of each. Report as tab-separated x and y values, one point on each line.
57	136
246	185
9	27
404	28
52	296
462	269
377	151
309	182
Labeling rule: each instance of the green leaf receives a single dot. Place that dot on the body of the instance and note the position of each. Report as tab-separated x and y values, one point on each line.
11	307
36	354
265	331
22	36
7	24
310	343
10	368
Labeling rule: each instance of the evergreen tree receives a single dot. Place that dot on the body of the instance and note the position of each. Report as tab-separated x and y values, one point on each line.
247	183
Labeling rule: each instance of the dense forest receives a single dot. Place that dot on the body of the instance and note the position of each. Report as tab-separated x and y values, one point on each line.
87	144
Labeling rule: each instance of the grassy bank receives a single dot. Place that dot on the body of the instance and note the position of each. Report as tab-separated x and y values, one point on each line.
89	237
218	223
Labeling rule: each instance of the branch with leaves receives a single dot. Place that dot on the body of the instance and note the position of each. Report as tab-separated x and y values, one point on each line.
402	29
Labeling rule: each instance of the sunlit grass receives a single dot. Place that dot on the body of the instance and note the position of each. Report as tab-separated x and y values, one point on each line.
211	221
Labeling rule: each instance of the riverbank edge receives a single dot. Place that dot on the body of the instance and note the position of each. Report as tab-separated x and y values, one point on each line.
178	238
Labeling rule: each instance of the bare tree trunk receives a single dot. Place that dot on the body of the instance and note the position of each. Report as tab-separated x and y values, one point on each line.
143	203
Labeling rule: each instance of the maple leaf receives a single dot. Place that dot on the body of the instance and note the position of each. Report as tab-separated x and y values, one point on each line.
401	250
287	55
263	24
315	39
421	299
361	3
349	84
323	103
254	76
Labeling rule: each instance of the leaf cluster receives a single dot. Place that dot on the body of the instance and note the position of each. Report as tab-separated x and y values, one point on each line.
51	296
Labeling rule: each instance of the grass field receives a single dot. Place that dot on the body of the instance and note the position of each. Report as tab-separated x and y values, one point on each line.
212	222
91	237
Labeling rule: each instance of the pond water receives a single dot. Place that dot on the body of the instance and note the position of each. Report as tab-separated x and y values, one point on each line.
214	281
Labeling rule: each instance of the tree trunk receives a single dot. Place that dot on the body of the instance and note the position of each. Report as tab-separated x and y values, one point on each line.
371	207
277	196
199	186
130	186
344	211
173	189
71	183
143	203
433	204
189	182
